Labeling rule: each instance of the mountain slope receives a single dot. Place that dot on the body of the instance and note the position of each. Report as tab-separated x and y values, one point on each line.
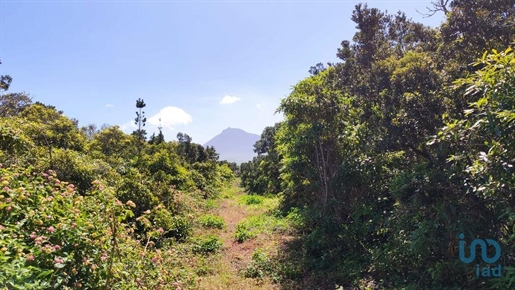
234	145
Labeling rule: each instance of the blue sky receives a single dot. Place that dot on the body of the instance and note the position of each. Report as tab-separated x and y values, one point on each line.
200	66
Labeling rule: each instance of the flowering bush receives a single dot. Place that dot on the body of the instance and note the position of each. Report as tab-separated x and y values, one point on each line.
52	237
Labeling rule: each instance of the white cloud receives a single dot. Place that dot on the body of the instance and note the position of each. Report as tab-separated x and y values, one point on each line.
229	100
261	106
109	105
170	116
128	125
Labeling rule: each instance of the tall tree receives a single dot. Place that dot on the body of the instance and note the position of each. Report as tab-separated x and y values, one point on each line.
12	104
140	119
5	82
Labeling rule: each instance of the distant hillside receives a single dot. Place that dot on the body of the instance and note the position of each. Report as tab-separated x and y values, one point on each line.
234	145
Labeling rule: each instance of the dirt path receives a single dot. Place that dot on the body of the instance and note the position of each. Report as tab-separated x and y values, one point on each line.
235	257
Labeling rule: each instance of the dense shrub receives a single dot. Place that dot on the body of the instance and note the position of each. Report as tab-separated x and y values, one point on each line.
53	237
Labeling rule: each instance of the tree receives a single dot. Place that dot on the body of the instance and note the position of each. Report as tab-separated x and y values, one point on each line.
12	104
261	175
113	144
5	82
140	120
89	130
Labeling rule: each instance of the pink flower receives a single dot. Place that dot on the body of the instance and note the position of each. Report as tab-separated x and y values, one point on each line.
104	256
58	260
160	230
2	227
30	258
44	174
8	200
57	247
33	236
50	229
39	240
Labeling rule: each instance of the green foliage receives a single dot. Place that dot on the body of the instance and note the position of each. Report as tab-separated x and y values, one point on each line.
15	146
207	245
109	212
53	237
50	128
80	169
374	201
252	227
211	221
112	145
12	104
260	266
253	199
261	175
132	187
243	232
381	161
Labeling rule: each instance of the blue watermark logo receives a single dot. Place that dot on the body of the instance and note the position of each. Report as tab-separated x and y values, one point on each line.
484	271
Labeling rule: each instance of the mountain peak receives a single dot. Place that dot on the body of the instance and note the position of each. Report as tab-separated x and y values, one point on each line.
234	145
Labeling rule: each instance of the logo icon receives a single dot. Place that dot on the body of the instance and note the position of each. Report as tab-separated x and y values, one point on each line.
485	271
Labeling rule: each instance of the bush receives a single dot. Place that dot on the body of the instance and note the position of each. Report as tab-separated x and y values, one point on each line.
243	233
253	199
51	237
207	245
260	266
211	221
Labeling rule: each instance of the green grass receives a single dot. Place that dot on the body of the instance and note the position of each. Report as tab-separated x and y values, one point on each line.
266	202
252	199
255	225
233	190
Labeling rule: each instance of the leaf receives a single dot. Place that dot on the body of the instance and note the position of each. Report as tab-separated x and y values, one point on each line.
45	273
476	124
59	265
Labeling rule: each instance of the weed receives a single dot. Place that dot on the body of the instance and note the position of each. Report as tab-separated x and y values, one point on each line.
243	233
260	266
253	199
211	221
205	246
